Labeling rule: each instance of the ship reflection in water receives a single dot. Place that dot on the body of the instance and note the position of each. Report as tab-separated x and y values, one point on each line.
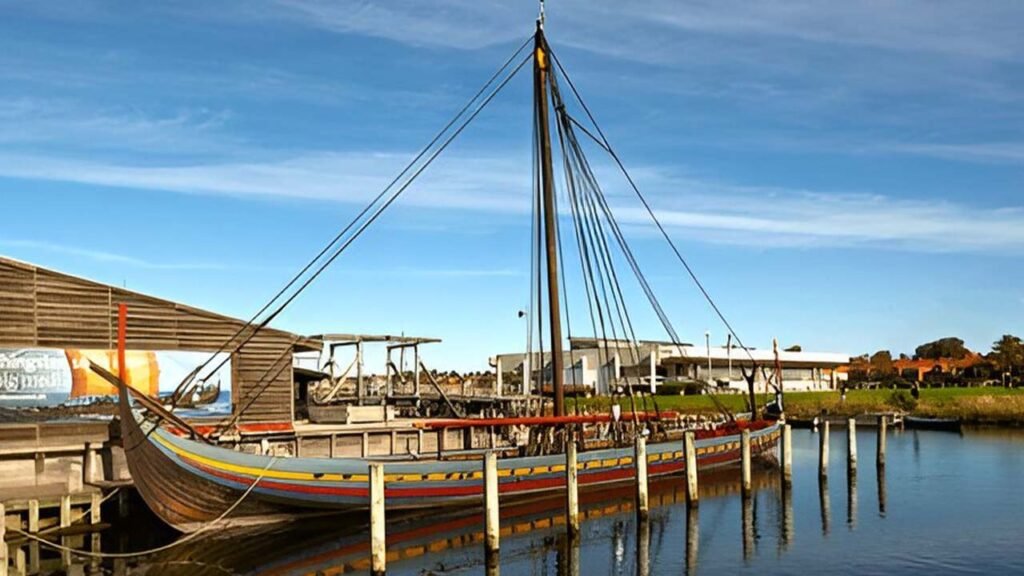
908	520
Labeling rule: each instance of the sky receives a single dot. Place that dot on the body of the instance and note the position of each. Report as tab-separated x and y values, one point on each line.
846	176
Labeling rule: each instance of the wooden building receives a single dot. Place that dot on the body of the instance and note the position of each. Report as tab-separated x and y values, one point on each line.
41	308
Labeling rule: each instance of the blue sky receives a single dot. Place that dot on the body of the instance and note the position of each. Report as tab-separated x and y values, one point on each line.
842	175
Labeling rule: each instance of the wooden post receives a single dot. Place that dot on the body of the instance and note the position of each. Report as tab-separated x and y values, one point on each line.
883	424
378	549
745	456
572	504
3	543
441	435
640	462
365	449
33	558
787	456
823	450
19	562
90	468
94	509
65	511
492	523
33	516
690	448
123	504
851	445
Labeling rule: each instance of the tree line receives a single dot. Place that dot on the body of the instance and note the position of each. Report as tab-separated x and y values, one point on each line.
1003	364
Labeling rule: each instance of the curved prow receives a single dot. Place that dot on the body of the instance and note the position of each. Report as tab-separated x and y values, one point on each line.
183	500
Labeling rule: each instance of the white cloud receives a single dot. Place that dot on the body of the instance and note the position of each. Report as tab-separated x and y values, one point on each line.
958	27
995	152
104	256
700	208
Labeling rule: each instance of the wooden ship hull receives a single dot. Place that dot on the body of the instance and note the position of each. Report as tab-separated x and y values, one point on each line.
188	483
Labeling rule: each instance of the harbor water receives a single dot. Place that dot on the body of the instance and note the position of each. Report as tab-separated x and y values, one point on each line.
946	503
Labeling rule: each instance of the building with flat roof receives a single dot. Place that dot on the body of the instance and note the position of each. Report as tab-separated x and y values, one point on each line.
601	365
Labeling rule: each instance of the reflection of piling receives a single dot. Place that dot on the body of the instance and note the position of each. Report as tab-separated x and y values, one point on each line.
787	456
823	451
643	548
748	527
787	518
851	452
690	448
881	490
851	501
378	550
640	462
883	424
572	501
491	506
745	457
692	537
826	510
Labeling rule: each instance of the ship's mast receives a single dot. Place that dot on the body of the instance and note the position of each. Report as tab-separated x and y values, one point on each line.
541	69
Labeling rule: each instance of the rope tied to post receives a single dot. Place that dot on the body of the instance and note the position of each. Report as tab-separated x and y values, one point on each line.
187	538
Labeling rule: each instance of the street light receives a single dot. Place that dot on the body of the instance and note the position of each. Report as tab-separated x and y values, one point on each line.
526	357
707	342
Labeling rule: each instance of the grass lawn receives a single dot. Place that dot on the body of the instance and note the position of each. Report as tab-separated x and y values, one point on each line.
983	405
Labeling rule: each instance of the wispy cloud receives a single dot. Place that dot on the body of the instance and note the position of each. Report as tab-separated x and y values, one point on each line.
994	152
67	125
956	27
104	256
439	273
702	208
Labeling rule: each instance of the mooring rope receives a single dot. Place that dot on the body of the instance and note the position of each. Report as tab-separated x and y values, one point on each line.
187	538
87	512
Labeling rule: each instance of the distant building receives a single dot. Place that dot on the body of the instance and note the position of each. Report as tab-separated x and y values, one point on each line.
918	369
600	365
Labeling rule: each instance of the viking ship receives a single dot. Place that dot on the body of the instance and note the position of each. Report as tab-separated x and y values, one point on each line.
189	481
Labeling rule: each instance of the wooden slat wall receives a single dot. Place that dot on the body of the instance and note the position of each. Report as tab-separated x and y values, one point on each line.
47	309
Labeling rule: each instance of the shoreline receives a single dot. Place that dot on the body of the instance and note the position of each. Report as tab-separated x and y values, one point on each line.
988	406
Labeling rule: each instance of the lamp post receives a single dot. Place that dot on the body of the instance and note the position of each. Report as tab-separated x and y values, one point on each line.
526	357
728	352
707	343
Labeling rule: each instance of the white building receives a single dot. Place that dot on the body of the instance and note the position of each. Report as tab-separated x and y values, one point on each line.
599	365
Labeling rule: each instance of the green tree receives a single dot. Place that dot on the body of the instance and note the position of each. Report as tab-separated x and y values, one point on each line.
942	348
881	364
1008	353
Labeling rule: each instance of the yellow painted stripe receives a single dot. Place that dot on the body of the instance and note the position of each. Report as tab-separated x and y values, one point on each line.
279	474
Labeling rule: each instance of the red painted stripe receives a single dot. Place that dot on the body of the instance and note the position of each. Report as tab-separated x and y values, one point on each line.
585	478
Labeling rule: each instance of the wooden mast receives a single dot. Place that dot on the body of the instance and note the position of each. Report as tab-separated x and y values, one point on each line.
541	69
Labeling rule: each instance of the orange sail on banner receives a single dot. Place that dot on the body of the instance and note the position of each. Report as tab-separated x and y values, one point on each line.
143	372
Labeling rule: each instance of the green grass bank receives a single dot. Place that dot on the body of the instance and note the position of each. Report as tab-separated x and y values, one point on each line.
999	406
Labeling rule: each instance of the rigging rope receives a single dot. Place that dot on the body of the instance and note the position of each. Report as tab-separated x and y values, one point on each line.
606	145
398	192
338	237
594	206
